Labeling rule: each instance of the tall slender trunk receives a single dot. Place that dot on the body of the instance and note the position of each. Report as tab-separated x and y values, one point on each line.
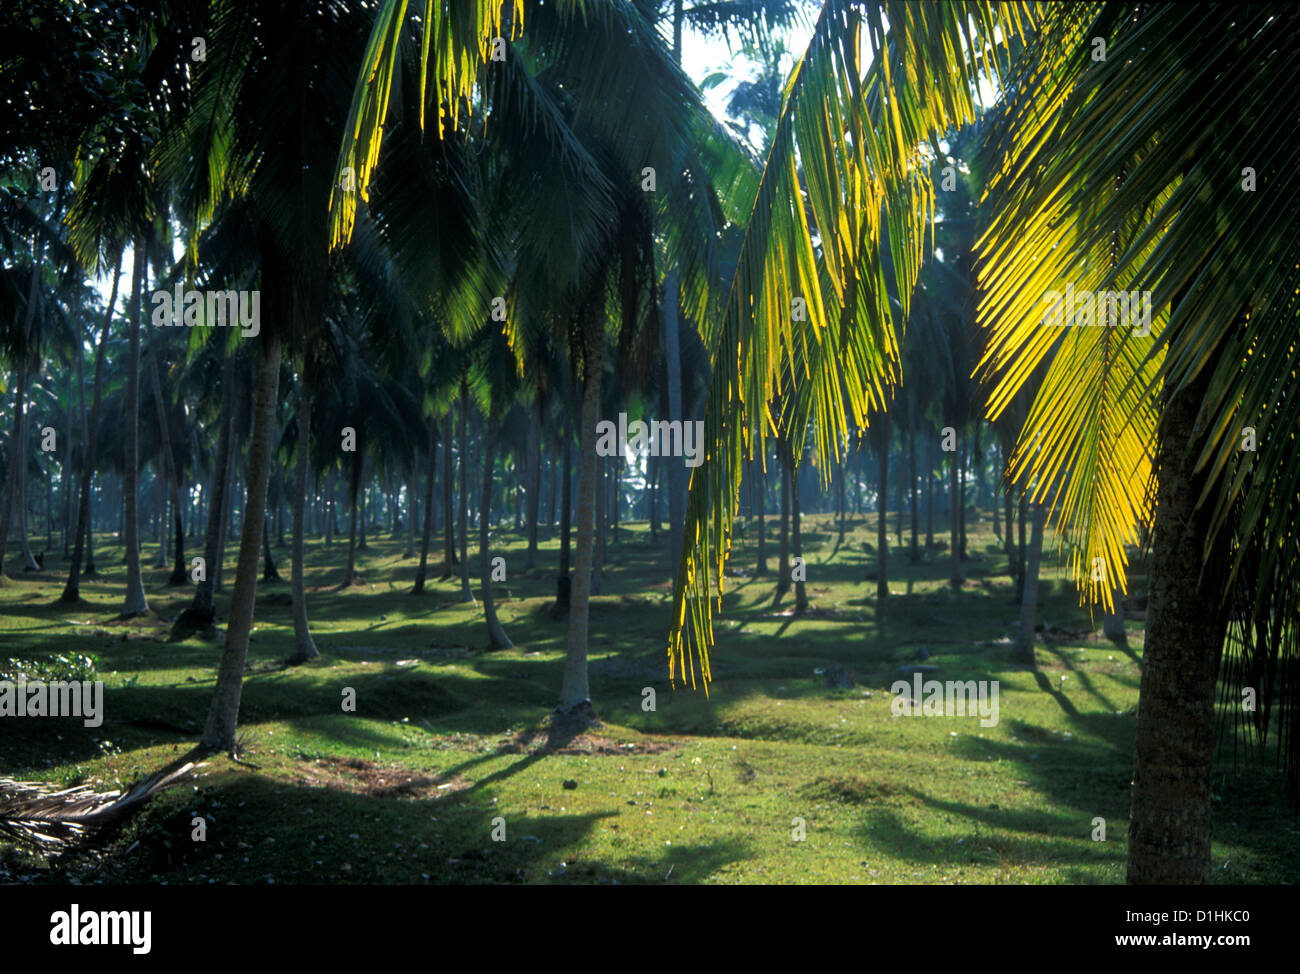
1008	539
412	506
575	694
598	558
179	575
331	523
929	493
534	481
17	457
16	486
898	520
1169	831
304	647
354	489
269	572
497	638
956	577
882	522
760	492
364	493
783	563
466	593
68	478
652	475
796	544
200	611
219	730
89	430
912	493
551	502
961	499
1022	509
563	581
448	516
134	603
1024	648
673	366
427	533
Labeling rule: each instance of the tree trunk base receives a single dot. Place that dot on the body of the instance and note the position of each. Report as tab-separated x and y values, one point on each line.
192	621
568	722
563	584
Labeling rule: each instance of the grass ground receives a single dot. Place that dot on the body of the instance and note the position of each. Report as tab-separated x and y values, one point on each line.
445	744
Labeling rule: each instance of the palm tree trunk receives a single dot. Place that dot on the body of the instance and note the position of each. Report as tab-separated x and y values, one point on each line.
760	491
575	695
652	475
219	731
598	560
304	647
1024	648
68	478
214	536
89	430
563	583
673	366
783	564
882	523
466	593
912	493
364	491
497	638
1022	510
955	577
534	481
412	506
929	494
1169	831
179	575
354	489
331	523
448	518
796	544
427	533
553	499
1009	540
16	456
134	603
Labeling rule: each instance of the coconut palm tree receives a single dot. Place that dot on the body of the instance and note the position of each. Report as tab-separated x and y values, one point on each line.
1113	167
593	112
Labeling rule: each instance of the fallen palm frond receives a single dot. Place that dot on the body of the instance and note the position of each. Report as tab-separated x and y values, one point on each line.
34	814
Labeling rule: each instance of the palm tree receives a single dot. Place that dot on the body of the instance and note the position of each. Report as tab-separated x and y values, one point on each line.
589	75
1103	176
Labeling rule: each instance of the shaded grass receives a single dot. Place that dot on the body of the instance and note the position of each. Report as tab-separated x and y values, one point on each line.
443	747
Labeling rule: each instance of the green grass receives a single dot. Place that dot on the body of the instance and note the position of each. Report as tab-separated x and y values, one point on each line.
409	788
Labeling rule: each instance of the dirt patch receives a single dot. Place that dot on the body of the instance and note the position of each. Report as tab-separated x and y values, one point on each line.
535	741
378	780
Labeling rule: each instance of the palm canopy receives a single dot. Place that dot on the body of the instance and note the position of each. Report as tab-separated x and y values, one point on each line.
855	124
1124	154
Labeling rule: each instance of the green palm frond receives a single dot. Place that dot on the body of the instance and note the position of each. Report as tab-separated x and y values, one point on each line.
858	130
456	38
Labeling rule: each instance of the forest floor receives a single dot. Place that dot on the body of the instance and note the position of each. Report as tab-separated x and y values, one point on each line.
448	743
